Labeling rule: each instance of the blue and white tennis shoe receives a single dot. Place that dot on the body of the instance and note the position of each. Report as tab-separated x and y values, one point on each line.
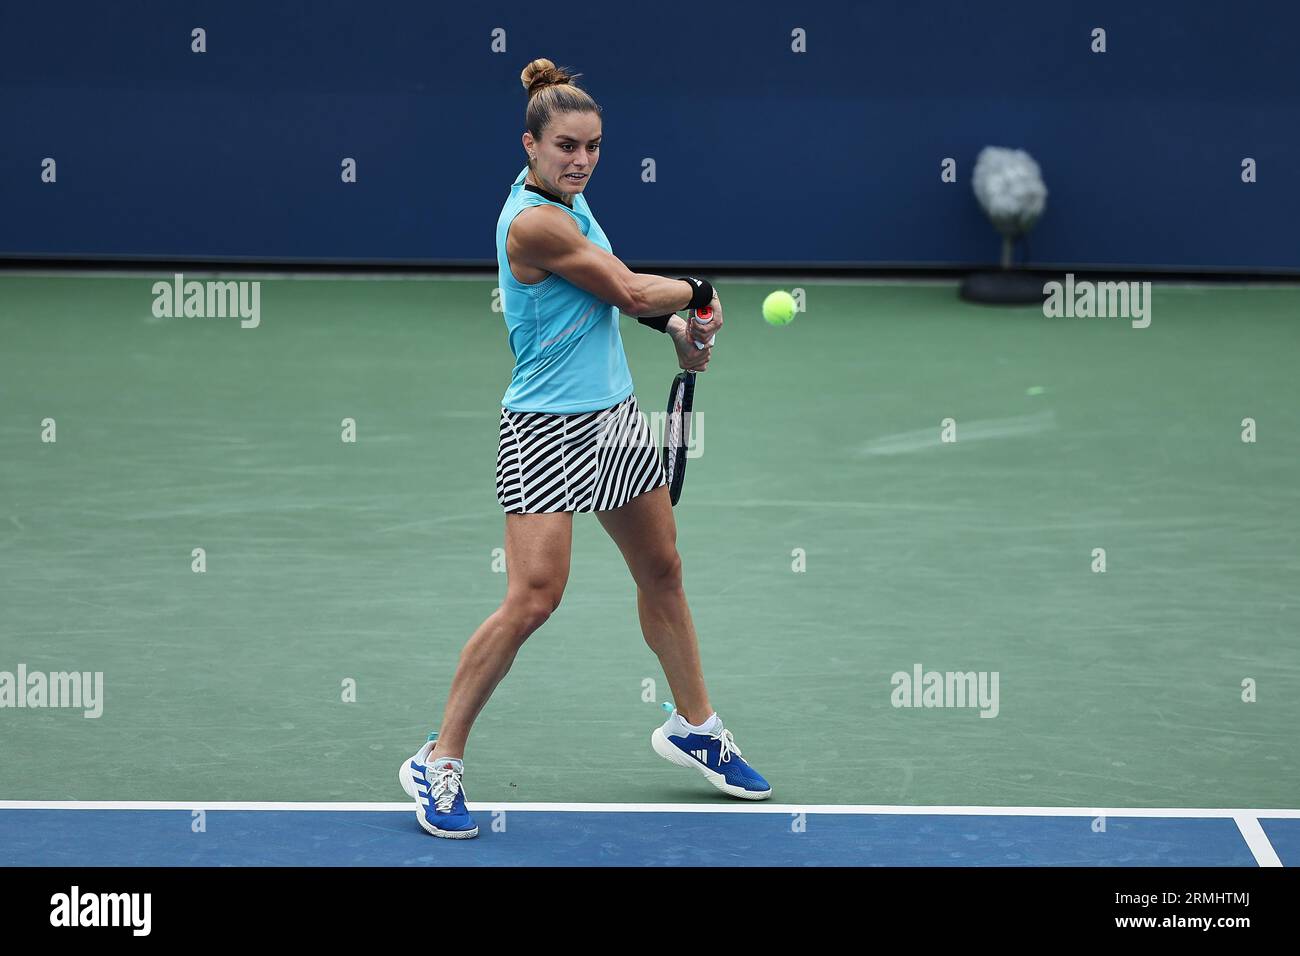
437	791
714	754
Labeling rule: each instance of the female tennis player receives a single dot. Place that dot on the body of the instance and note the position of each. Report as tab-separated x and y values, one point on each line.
573	440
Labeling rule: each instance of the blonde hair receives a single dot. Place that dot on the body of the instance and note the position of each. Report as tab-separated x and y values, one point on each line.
551	91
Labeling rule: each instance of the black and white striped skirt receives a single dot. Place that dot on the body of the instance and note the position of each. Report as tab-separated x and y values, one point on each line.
591	461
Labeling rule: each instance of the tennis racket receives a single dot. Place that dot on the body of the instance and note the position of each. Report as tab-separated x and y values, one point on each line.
677	424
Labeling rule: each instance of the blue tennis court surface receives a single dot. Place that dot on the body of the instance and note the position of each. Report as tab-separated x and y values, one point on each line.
1284	835
389	836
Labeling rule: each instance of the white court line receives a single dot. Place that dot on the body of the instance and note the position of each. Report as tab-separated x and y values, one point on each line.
883	810
1257	840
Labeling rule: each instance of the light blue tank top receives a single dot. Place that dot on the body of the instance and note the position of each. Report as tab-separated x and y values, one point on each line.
568	352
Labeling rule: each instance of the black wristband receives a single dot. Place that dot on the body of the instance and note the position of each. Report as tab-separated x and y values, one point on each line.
659	322
703	294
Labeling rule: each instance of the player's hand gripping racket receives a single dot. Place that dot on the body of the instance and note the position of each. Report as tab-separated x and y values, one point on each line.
677	424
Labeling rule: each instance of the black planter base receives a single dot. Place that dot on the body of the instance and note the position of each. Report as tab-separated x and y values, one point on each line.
1011	287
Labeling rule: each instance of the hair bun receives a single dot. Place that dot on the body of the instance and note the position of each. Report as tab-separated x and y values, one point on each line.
542	73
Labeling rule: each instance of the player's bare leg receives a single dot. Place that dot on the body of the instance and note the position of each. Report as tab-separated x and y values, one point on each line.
538	547
645	531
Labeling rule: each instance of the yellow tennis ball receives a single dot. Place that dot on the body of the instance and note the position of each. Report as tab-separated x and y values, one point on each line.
779	308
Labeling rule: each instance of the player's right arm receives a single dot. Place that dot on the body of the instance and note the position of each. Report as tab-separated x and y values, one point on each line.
547	238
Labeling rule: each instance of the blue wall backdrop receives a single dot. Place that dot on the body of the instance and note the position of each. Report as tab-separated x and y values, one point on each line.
763	155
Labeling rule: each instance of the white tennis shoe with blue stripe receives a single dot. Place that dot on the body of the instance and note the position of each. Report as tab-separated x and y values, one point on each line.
714	754
436	788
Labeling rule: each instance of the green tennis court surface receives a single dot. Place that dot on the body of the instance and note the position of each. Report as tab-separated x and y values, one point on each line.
373	561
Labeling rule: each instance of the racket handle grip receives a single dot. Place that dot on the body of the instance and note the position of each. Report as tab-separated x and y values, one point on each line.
705	313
